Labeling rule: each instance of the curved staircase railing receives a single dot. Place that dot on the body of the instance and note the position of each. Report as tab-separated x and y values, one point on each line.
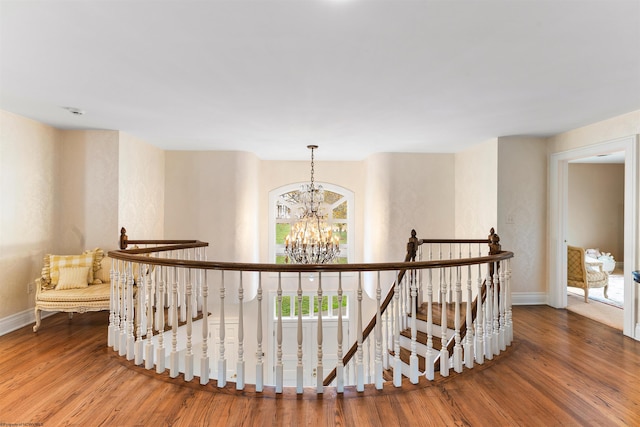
161	314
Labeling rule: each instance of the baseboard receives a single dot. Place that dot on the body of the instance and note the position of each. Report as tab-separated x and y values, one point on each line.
19	320
529	298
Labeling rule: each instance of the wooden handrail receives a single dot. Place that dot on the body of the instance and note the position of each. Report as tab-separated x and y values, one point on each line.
140	255
494	246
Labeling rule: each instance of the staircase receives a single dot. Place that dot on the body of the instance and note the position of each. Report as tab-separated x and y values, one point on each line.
156	319
422	337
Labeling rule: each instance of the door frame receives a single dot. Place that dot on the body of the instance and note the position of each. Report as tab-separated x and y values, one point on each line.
558	219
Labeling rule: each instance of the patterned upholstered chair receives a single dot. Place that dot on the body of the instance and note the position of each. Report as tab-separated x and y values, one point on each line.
583	274
73	284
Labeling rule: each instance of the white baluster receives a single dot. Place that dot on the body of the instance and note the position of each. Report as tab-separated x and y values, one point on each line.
469	338
131	316
259	353
430	357
150	306
450	284
378	336
340	366
197	288
299	366
222	361
112	305
385	339
403	311
123	309
444	353
368	359
397	363
501	333
420	283
173	357
188	358
240	364
479	324
359	350
457	349
496	311
139	304
279	366
488	315
204	360
115	302
160	351
319	370
413	359
509	313
182	289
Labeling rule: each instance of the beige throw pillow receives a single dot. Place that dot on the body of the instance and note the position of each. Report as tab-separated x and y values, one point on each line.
73	278
56	262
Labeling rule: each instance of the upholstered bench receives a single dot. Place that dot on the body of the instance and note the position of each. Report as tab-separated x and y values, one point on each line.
73	284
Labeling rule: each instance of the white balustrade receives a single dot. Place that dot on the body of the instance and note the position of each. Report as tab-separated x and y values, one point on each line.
172	294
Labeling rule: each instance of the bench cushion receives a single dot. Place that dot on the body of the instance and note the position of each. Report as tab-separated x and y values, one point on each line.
99	292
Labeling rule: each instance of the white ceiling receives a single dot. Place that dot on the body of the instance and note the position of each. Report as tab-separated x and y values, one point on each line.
355	77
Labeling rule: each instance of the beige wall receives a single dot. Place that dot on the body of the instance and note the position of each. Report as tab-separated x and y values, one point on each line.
89	192
476	190
29	184
140	190
404	192
522	211
208	196
596	207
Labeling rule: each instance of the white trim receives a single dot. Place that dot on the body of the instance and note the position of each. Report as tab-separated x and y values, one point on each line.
557	244
19	320
529	298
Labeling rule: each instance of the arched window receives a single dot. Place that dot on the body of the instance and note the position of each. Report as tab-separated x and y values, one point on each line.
282	214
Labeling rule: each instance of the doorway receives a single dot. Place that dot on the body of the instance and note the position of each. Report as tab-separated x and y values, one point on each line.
558	224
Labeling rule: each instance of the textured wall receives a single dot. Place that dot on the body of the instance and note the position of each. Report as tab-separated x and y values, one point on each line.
596	207
476	190
141	189
89	192
522	209
29	181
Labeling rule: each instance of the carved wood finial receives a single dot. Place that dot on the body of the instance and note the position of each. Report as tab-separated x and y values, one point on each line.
494	242
412	245
123	238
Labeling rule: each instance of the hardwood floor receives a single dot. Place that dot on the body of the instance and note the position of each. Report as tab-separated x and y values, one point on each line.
562	370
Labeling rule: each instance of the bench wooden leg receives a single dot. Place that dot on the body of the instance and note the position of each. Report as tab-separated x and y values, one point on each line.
37	325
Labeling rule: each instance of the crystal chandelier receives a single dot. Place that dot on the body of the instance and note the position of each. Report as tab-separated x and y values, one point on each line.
311	240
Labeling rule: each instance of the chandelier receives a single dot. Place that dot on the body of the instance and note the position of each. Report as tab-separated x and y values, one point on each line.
311	240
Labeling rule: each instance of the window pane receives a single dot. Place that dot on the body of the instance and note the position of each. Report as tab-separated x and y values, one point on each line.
336	305
281	259
282	229
286	306
340	228
340	211
305	306
330	197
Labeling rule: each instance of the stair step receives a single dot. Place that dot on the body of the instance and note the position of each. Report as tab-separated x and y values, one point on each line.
405	356
421	313
421	337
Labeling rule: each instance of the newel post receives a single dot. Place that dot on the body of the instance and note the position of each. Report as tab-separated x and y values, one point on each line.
123	239
494	248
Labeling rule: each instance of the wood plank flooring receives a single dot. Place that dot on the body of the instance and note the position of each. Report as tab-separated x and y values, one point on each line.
562	370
